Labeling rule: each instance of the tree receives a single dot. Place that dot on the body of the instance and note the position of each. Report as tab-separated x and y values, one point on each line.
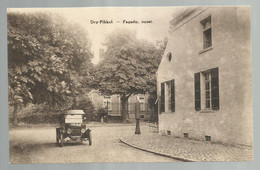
128	68
161	45
48	60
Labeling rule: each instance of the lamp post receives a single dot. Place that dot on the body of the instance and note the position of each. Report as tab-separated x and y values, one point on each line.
137	117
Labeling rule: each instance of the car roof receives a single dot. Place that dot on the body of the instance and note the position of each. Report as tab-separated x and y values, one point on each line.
74	112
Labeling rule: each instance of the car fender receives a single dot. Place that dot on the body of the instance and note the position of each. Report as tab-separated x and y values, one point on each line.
86	134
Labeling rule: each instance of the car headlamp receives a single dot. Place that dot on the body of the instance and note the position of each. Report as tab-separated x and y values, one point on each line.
83	130
69	131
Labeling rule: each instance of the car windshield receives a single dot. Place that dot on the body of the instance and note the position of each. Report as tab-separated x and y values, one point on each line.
73	118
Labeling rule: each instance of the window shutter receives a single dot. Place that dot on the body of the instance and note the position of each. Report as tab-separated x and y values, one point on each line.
162	98
197	91
172	96
215	89
159	104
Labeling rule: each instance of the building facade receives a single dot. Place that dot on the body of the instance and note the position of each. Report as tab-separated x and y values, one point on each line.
114	105
204	78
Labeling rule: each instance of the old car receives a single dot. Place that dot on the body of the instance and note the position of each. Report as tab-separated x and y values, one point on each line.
72	129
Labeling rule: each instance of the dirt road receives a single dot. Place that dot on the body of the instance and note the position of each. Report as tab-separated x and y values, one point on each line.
37	145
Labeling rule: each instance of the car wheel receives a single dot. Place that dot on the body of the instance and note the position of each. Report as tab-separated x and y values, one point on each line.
90	138
61	140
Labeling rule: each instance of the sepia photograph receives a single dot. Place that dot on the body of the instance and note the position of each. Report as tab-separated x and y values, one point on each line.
130	84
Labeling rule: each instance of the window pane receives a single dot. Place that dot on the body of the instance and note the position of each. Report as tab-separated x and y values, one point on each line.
207	25
206	76
207	103
207	89
207	95
207	85
207	38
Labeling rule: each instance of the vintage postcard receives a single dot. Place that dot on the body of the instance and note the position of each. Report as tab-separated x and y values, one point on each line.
130	84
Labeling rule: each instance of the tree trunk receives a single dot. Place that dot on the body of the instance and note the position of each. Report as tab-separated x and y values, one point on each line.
74	103
123	101
16	107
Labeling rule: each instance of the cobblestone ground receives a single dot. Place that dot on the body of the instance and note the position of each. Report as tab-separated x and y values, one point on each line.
187	149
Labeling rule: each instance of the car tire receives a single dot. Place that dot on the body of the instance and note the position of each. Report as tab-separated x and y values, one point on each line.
61	140
89	138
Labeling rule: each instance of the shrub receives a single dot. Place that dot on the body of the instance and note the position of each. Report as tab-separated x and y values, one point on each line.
51	117
84	103
101	112
43	113
39	113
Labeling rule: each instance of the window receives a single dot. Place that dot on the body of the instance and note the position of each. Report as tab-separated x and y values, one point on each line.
207	138
207	33
207	90
186	135
207	81
168	96
107	102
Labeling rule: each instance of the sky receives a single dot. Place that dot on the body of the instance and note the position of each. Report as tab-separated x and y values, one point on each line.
157	30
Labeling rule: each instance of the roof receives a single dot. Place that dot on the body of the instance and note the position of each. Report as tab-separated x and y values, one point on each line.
185	14
75	112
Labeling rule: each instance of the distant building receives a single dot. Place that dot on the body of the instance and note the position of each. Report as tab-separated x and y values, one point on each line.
114	105
204	78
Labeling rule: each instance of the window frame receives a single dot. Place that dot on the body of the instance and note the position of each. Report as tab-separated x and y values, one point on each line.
207	29
168	96
207	98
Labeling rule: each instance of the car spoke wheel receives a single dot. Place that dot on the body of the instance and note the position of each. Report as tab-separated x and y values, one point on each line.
61	140
90	138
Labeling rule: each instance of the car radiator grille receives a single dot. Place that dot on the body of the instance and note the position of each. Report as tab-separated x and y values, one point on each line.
76	132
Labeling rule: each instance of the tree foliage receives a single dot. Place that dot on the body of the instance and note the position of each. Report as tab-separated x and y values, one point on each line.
129	66
48	59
